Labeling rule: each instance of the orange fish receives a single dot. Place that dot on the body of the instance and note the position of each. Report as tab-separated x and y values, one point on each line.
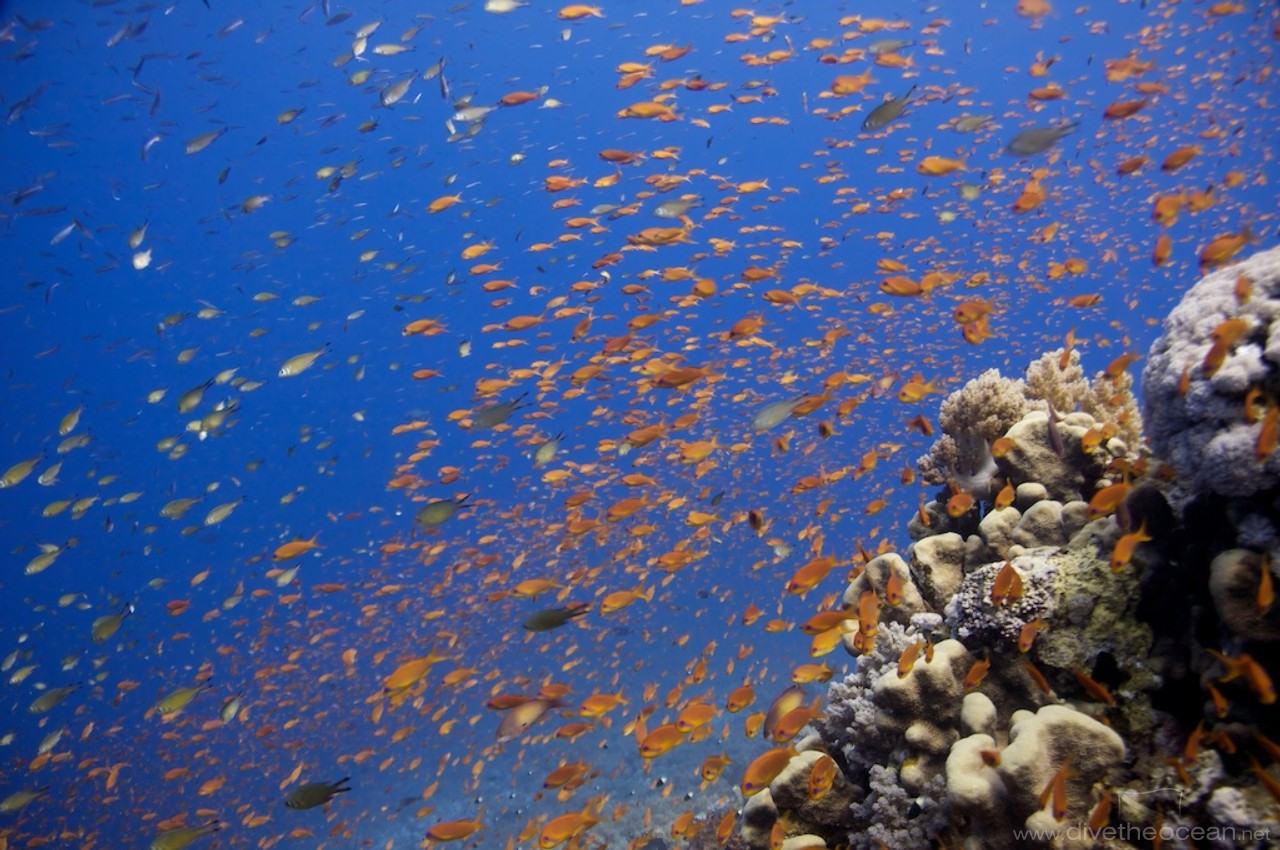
821	777
893	589
1123	108
1101	814
790	724
824	621
868	612
1056	791
907	660
516	98
900	285
1254	674
1266	596
766	767
1108	500
1036	676
454	830
1007	585
739	698
1220	705
1225	335
411	672
443	203
573	730
661	740
566	775
620	599
580	10
936	166
811	673
1180	157
597	705
789	699
1166	208
294	549
971	311
1029	632
1130	165
695	716
960	504
1006	496
565	827
978	672
810	575
1221	250
713	766
1268	434
725	830
1120	364
1094	688
916	389
1001	446
1123	551
1160	254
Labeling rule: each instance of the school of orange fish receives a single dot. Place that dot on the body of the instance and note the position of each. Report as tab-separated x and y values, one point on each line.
636	428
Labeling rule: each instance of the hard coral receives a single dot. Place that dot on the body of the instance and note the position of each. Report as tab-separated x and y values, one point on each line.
999	789
1203	428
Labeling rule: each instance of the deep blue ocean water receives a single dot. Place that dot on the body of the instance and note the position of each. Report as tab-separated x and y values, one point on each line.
103	103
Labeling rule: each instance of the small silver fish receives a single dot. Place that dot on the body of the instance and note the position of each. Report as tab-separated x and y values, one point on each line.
468	114
395	92
887	45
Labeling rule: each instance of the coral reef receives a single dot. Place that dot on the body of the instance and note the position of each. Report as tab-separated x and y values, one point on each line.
1089	638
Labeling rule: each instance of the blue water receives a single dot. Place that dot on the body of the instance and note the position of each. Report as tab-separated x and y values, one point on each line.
86	86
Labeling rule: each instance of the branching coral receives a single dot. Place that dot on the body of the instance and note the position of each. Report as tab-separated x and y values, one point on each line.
972	417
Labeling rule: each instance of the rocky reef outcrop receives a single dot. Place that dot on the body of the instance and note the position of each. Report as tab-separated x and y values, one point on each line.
1082	635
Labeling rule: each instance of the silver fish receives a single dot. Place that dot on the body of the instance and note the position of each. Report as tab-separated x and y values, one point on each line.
395	92
469	114
771	414
677	207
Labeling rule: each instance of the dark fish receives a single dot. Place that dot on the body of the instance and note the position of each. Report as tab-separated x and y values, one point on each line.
554	618
1054	434
1038	139
888	111
495	415
315	794
435	514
